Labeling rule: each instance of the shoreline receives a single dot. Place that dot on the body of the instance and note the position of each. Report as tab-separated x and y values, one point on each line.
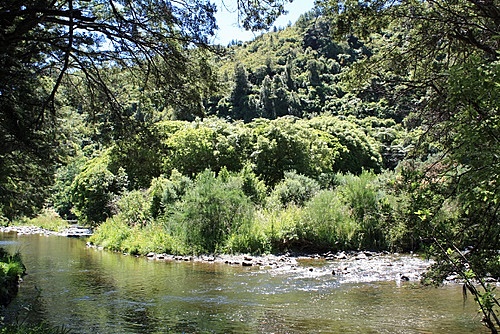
345	266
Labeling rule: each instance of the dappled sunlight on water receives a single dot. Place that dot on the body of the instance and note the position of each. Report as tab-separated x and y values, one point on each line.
91	291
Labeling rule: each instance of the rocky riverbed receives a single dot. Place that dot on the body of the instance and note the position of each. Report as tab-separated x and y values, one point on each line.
346	267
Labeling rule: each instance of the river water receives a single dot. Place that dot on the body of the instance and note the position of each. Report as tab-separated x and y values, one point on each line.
92	291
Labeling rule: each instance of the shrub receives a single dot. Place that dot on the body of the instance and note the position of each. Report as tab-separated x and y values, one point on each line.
212	210
11	271
166	192
363	195
111	234
326	223
93	189
134	208
294	189
282	145
252	186
280	227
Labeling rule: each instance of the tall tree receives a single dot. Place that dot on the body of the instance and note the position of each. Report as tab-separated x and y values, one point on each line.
47	43
445	52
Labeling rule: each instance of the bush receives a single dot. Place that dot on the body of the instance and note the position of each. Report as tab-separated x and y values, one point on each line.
294	189
166	192
212	210
363	195
280	227
326	223
134	208
111	234
11	271
287	144
94	188
254	188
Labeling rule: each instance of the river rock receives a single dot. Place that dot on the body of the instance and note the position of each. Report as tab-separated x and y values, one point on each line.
361	256
341	256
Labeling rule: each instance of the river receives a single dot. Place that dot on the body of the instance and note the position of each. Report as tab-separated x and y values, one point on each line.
92	291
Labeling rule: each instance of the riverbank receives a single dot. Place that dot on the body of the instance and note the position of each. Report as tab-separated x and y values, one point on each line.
347	266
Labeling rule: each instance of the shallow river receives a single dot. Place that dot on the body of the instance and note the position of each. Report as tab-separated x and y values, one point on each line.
92	291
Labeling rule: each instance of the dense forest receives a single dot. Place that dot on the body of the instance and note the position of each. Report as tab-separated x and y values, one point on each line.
369	125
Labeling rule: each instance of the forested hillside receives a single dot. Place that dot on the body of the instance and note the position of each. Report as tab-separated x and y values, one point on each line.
369	125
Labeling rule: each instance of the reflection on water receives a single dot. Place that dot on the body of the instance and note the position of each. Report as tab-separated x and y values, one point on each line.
91	291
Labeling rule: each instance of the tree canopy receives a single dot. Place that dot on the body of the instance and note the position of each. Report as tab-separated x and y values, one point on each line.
48	44
446	55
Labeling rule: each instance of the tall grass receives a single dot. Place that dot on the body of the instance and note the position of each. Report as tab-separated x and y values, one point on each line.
363	195
212	210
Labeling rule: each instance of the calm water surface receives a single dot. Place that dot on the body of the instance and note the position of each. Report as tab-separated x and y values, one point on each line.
91	291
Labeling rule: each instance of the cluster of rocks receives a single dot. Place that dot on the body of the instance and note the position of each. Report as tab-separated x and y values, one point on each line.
345	266
72	231
270	261
24	230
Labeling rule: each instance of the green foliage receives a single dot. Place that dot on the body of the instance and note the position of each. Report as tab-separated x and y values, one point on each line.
138	240
11	271
48	220
139	156
287	144
363	197
327	223
61	196
209	144
295	189
254	188
212	210
134	208
280	228
111	234
94	188
361	150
